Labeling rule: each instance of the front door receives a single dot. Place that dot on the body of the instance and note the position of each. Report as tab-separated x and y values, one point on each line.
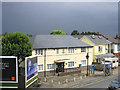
60	67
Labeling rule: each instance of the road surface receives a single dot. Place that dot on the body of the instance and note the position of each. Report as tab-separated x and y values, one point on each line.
100	84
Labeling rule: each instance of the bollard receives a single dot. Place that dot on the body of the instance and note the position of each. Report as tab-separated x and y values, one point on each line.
51	81
74	78
80	77
113	72
59	82
45	79
66	80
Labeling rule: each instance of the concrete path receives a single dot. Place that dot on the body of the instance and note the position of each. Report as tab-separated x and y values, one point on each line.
78	82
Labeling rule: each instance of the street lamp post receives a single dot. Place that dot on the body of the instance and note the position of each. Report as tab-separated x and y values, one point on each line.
87	57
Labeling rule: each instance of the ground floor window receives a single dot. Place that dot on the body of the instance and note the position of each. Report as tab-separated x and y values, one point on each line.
83	62
98	60
40	67
70	64
50	66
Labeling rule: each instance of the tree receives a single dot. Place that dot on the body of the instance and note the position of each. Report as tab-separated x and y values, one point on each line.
57	32
88	33
30	35
75	32
4	34
16	44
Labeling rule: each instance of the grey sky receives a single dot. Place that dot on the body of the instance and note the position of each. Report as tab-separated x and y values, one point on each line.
44	17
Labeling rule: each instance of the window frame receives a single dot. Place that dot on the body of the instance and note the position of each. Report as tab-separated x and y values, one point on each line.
39	51
71	64
57	51
63	51
50	66
39	67
84	64
83	49
100	48
70	50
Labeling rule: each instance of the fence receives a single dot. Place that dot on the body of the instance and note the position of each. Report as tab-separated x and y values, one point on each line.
69	71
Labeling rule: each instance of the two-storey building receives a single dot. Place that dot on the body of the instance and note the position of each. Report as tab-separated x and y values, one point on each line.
100	45
115	45
60	51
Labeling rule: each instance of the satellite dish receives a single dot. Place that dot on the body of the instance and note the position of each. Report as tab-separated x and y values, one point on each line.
100	37
93	36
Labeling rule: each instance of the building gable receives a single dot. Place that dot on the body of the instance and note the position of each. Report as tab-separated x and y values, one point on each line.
86	40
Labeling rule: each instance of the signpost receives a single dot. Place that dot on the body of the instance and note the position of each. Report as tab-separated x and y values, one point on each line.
87	57
8	72
31	71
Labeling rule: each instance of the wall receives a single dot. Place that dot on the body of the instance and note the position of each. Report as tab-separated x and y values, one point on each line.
104	49
95	48
84	39
115	48
52	56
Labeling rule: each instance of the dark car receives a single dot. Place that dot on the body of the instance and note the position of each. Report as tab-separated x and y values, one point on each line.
114	84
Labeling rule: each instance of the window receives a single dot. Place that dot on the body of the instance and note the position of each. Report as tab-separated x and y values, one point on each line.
35	51
71	50
83	62
70	64
118	47
40	67
57	51
83	49
39	52
100	48
63	51
50	66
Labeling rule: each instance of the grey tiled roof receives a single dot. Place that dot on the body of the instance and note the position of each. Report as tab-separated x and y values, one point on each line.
111	39
97	40
77	36
57	41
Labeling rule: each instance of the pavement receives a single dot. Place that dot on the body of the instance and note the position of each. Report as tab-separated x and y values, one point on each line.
78	82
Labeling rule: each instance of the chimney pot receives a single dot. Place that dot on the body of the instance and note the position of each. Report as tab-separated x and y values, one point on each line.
116	35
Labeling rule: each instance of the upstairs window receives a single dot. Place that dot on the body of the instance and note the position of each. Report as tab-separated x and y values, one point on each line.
71	50
63	51
100	48
83	49
39	52
57	51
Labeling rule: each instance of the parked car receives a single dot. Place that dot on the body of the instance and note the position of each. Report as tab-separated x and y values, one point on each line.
114	84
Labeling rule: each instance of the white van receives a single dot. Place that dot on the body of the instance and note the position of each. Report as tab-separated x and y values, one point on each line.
113	61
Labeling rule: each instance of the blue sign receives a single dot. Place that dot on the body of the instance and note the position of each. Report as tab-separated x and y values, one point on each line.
91	69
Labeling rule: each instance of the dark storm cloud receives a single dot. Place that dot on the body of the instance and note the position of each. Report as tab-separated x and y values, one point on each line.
43	18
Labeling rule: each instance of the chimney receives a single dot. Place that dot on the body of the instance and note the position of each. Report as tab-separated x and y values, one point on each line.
98	33
116	36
